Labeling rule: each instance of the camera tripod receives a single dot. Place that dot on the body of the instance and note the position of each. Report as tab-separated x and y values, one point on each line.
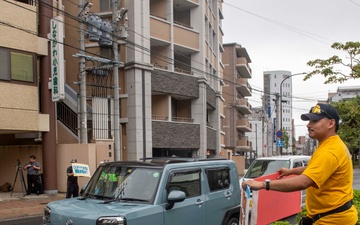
22	180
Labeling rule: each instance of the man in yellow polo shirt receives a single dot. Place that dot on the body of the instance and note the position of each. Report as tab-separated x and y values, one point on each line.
328	178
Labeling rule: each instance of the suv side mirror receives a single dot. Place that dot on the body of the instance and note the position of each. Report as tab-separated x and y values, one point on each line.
174	196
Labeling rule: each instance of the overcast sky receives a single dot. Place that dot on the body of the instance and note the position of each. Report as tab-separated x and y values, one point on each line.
285	35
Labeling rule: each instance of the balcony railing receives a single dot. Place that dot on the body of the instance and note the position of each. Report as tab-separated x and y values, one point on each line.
161	17
243	142
162	118
244	125
243	106
183	25
183	71
182	119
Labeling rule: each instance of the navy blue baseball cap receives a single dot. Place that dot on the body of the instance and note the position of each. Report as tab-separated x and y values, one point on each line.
322	110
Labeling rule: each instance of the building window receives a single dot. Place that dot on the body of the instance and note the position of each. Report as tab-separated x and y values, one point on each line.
17	66
22	67
105	6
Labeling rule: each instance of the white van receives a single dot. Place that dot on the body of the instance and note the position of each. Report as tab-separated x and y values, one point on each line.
267	165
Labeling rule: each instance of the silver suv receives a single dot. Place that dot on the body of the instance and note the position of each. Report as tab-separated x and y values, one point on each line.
163	191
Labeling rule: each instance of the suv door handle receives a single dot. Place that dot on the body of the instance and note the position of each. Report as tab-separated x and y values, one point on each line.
228	194
199	202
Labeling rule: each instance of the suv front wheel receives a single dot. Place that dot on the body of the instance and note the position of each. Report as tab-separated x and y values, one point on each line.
233	221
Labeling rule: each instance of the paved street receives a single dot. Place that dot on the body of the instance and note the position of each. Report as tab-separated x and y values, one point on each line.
356	184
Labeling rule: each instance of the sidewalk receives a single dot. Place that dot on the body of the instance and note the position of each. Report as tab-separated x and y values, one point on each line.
18	206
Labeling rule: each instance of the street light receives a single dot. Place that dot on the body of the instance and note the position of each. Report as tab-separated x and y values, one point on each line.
281	101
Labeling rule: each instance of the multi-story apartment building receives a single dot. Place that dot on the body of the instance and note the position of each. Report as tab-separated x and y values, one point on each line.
25	114
167	88
236	123
344	93
275	95
170	89
169	84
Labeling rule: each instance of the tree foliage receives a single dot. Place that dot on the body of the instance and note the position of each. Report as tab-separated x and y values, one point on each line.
349	131
329	68
286	139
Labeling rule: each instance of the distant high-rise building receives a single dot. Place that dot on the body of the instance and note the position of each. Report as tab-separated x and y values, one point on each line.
272	89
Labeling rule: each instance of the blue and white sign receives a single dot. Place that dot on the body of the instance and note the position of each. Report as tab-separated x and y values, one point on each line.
81	170
279	143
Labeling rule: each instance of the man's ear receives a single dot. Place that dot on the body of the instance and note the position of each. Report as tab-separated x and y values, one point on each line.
332	124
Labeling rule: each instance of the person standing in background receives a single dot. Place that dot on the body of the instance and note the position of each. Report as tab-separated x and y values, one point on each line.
33	168
72	182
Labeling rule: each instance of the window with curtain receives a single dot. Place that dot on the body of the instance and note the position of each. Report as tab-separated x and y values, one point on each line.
22	67
17	66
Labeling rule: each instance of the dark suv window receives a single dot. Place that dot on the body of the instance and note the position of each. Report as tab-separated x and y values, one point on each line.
188	182
218	178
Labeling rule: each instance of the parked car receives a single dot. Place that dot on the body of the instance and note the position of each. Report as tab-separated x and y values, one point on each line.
162	191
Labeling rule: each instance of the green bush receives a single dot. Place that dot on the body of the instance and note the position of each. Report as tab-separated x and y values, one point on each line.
356	203
281	223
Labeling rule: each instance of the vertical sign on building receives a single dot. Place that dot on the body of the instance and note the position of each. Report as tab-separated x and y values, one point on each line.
274	133
57	58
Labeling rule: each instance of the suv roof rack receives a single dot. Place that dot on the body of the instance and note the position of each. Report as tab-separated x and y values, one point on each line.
176	159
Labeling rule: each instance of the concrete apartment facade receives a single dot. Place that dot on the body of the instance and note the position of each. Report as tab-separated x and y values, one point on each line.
237	109
170	85
25	116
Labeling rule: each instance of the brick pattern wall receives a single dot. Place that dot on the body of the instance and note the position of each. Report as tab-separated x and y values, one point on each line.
211	139
173	83
175	135
210	96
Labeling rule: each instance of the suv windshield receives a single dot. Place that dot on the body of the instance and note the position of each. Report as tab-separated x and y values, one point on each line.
260	168
123	183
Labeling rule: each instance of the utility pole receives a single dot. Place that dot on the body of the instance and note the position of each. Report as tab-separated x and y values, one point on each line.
278	120
263	134
117	153
82	74
116	17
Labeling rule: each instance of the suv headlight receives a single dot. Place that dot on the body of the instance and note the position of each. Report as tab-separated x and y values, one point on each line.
113	220
47	215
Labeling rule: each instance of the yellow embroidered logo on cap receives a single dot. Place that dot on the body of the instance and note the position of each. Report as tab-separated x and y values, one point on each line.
316	109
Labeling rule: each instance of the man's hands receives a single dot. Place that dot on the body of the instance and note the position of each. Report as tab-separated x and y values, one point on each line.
258	185
253	184
283	172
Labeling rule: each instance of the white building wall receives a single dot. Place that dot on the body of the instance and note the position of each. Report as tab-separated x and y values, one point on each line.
256	138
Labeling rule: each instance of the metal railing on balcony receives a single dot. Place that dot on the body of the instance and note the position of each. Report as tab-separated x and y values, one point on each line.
183	24
182	119
154	15
177	69
157	117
